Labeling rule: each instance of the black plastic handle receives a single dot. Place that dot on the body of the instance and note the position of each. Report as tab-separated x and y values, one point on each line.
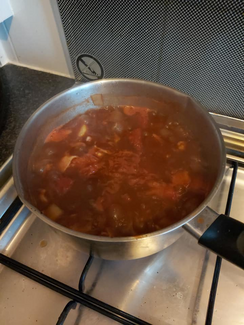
225	237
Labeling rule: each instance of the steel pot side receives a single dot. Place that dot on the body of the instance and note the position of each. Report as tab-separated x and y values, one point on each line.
66	105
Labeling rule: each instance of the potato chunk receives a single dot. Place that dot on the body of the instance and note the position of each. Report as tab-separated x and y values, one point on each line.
82	131
53	212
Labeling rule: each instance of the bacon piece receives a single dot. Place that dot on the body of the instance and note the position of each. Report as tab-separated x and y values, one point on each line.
163	191
142	178
87	164
57	135
124	162
142	113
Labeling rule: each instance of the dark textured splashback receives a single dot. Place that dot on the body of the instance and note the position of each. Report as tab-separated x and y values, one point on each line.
194	46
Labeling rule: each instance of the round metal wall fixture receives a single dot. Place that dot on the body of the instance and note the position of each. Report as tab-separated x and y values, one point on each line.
89	67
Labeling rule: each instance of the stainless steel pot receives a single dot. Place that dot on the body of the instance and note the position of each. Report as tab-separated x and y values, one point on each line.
78	99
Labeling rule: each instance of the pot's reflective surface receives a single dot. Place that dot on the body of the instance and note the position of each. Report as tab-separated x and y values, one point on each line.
76	100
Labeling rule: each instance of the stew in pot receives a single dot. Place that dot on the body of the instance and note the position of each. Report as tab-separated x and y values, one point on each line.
119	171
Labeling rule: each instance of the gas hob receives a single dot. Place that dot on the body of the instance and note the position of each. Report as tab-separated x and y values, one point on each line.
170	287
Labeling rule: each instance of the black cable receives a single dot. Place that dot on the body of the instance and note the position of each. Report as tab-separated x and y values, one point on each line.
218	263
84	274
70	305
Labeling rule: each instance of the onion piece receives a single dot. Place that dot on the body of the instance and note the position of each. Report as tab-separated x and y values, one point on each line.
103	150
116	138
65	162
156	137
42	196
181	145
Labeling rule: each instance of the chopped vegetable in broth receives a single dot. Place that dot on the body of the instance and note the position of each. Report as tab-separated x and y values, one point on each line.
119	171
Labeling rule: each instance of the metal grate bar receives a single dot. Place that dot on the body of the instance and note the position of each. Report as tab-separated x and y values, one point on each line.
84	274
10	214
218	263
67	291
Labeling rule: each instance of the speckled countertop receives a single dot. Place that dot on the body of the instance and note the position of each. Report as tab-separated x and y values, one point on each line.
22	91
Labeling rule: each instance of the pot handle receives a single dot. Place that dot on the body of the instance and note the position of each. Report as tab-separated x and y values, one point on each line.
224	237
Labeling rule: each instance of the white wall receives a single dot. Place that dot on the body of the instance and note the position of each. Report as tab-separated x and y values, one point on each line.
7	53
6	50
35	37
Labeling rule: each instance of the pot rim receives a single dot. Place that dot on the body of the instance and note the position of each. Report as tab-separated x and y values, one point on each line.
95	238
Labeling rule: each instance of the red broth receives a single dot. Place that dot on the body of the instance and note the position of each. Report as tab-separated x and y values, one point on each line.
119	171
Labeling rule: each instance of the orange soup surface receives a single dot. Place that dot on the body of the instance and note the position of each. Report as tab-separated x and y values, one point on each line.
119	171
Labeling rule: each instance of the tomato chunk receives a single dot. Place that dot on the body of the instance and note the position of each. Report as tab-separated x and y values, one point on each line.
198	184
141	111
181	178
63	184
